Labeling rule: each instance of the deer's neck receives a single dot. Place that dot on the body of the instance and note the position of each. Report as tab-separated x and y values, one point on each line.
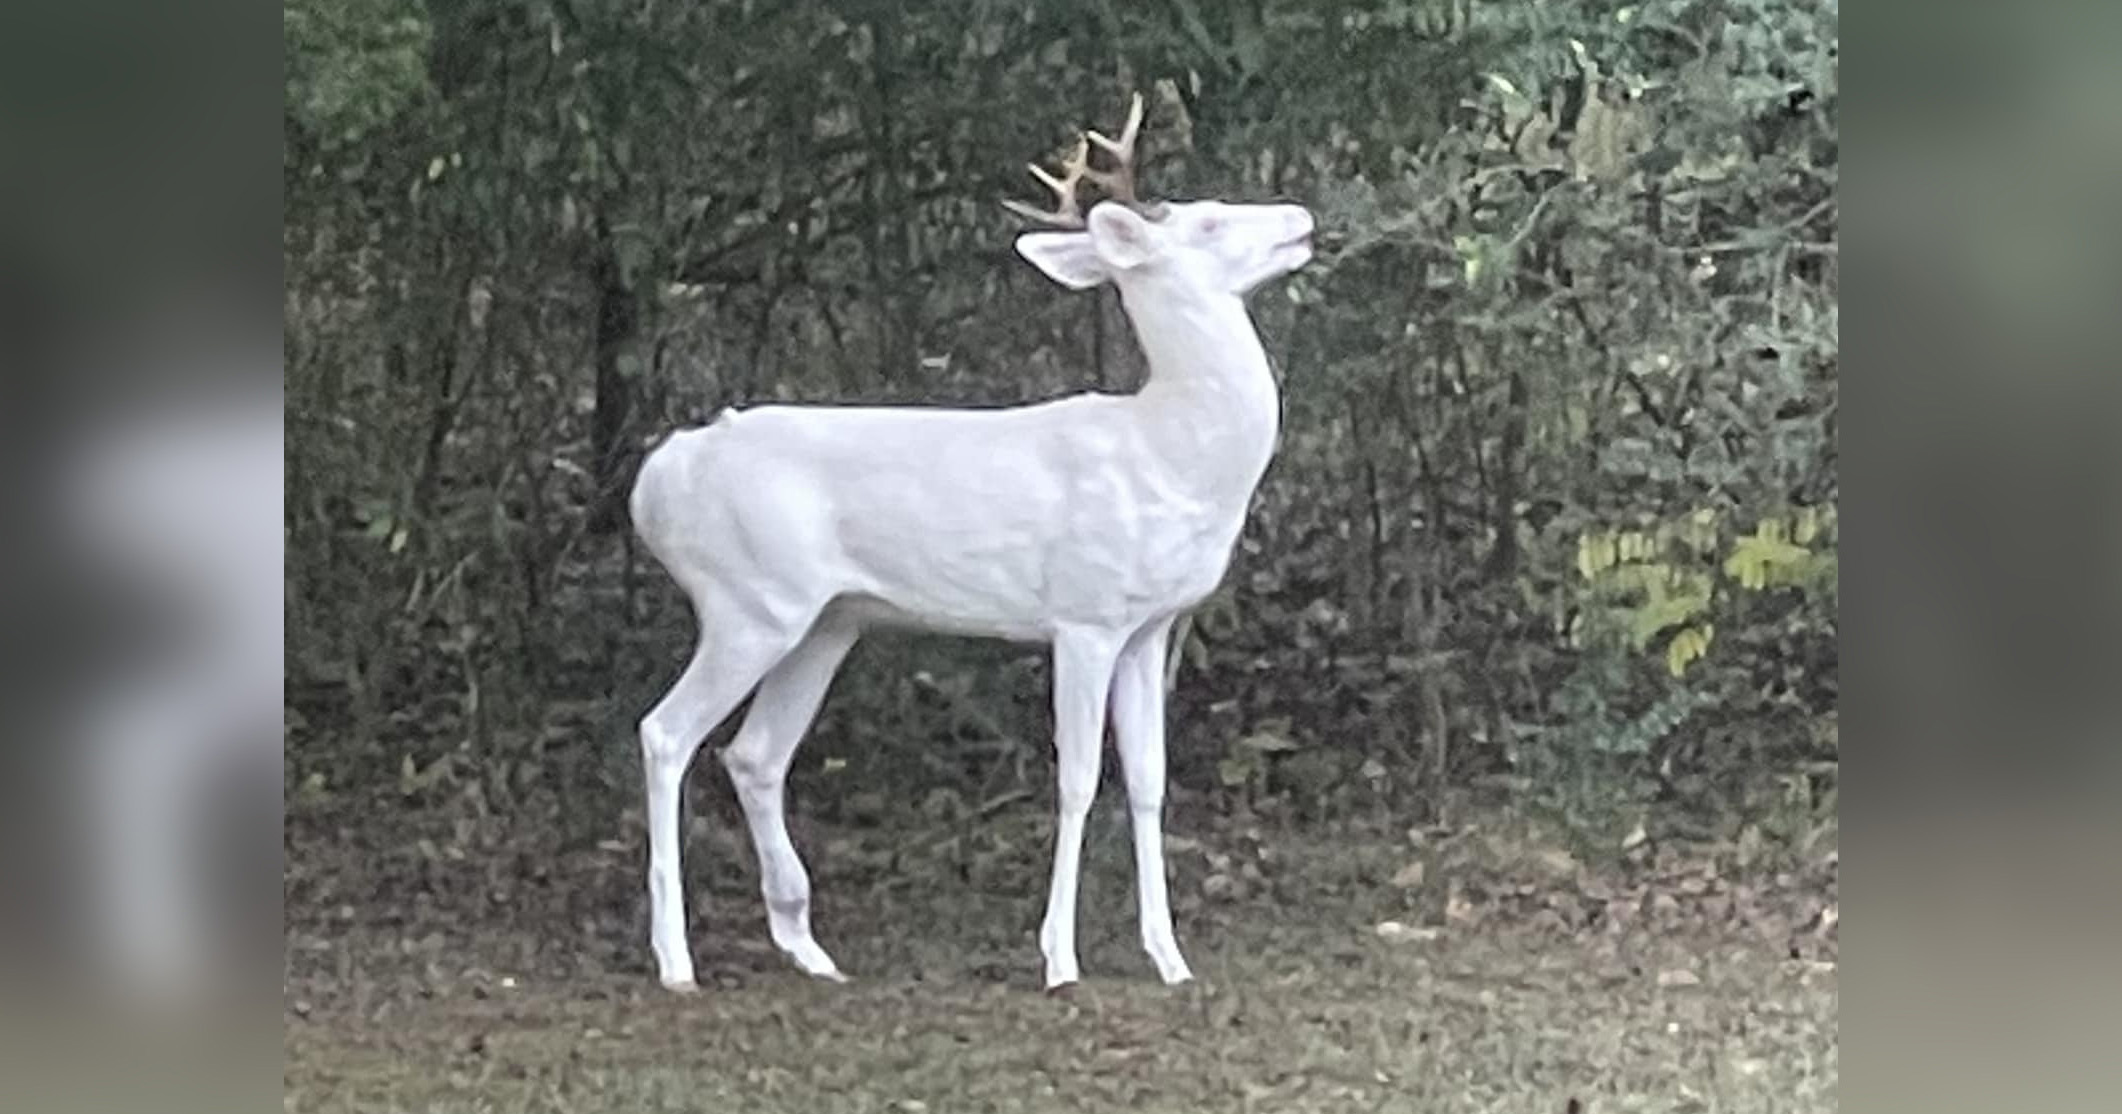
1210	402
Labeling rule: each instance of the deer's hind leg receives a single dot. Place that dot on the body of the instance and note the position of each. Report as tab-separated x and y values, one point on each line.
735	650
758	761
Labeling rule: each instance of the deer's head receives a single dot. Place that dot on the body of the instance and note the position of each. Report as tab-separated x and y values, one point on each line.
1216	247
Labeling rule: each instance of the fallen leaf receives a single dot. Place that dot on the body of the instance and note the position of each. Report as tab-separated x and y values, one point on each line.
1399	932
1556	863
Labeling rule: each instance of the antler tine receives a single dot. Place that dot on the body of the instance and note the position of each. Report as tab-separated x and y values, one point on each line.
1120	181
1067	213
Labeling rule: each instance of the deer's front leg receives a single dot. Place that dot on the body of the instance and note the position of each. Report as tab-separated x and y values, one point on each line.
1138	733
1083	674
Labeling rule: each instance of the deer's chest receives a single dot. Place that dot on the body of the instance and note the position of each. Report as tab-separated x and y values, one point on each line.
1137	545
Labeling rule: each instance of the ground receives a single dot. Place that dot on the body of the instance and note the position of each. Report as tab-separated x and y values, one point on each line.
1339	969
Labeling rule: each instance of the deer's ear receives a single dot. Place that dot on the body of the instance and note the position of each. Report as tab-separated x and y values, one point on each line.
1068	258
1121	235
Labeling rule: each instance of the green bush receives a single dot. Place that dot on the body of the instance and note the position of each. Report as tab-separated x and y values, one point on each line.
1555	504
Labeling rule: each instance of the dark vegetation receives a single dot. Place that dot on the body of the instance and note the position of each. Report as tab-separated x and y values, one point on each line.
1544	571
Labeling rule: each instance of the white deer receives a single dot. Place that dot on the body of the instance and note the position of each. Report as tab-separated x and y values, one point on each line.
1087	522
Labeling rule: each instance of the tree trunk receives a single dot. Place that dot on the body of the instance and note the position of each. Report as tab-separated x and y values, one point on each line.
617	325
1510	460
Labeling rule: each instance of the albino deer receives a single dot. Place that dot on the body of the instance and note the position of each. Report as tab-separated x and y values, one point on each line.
1087	522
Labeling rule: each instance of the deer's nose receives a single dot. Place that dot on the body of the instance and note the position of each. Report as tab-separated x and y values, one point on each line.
1297	224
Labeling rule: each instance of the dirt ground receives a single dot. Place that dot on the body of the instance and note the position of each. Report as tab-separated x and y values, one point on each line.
1338	970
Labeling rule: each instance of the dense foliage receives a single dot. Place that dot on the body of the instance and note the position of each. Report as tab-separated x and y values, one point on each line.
1554	516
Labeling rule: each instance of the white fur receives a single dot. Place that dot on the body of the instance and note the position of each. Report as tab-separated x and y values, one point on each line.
1088	522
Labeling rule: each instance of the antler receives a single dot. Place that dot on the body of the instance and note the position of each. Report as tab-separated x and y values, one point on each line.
1066	213
1120	181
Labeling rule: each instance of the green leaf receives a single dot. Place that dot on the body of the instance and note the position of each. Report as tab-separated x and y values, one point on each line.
1271	738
